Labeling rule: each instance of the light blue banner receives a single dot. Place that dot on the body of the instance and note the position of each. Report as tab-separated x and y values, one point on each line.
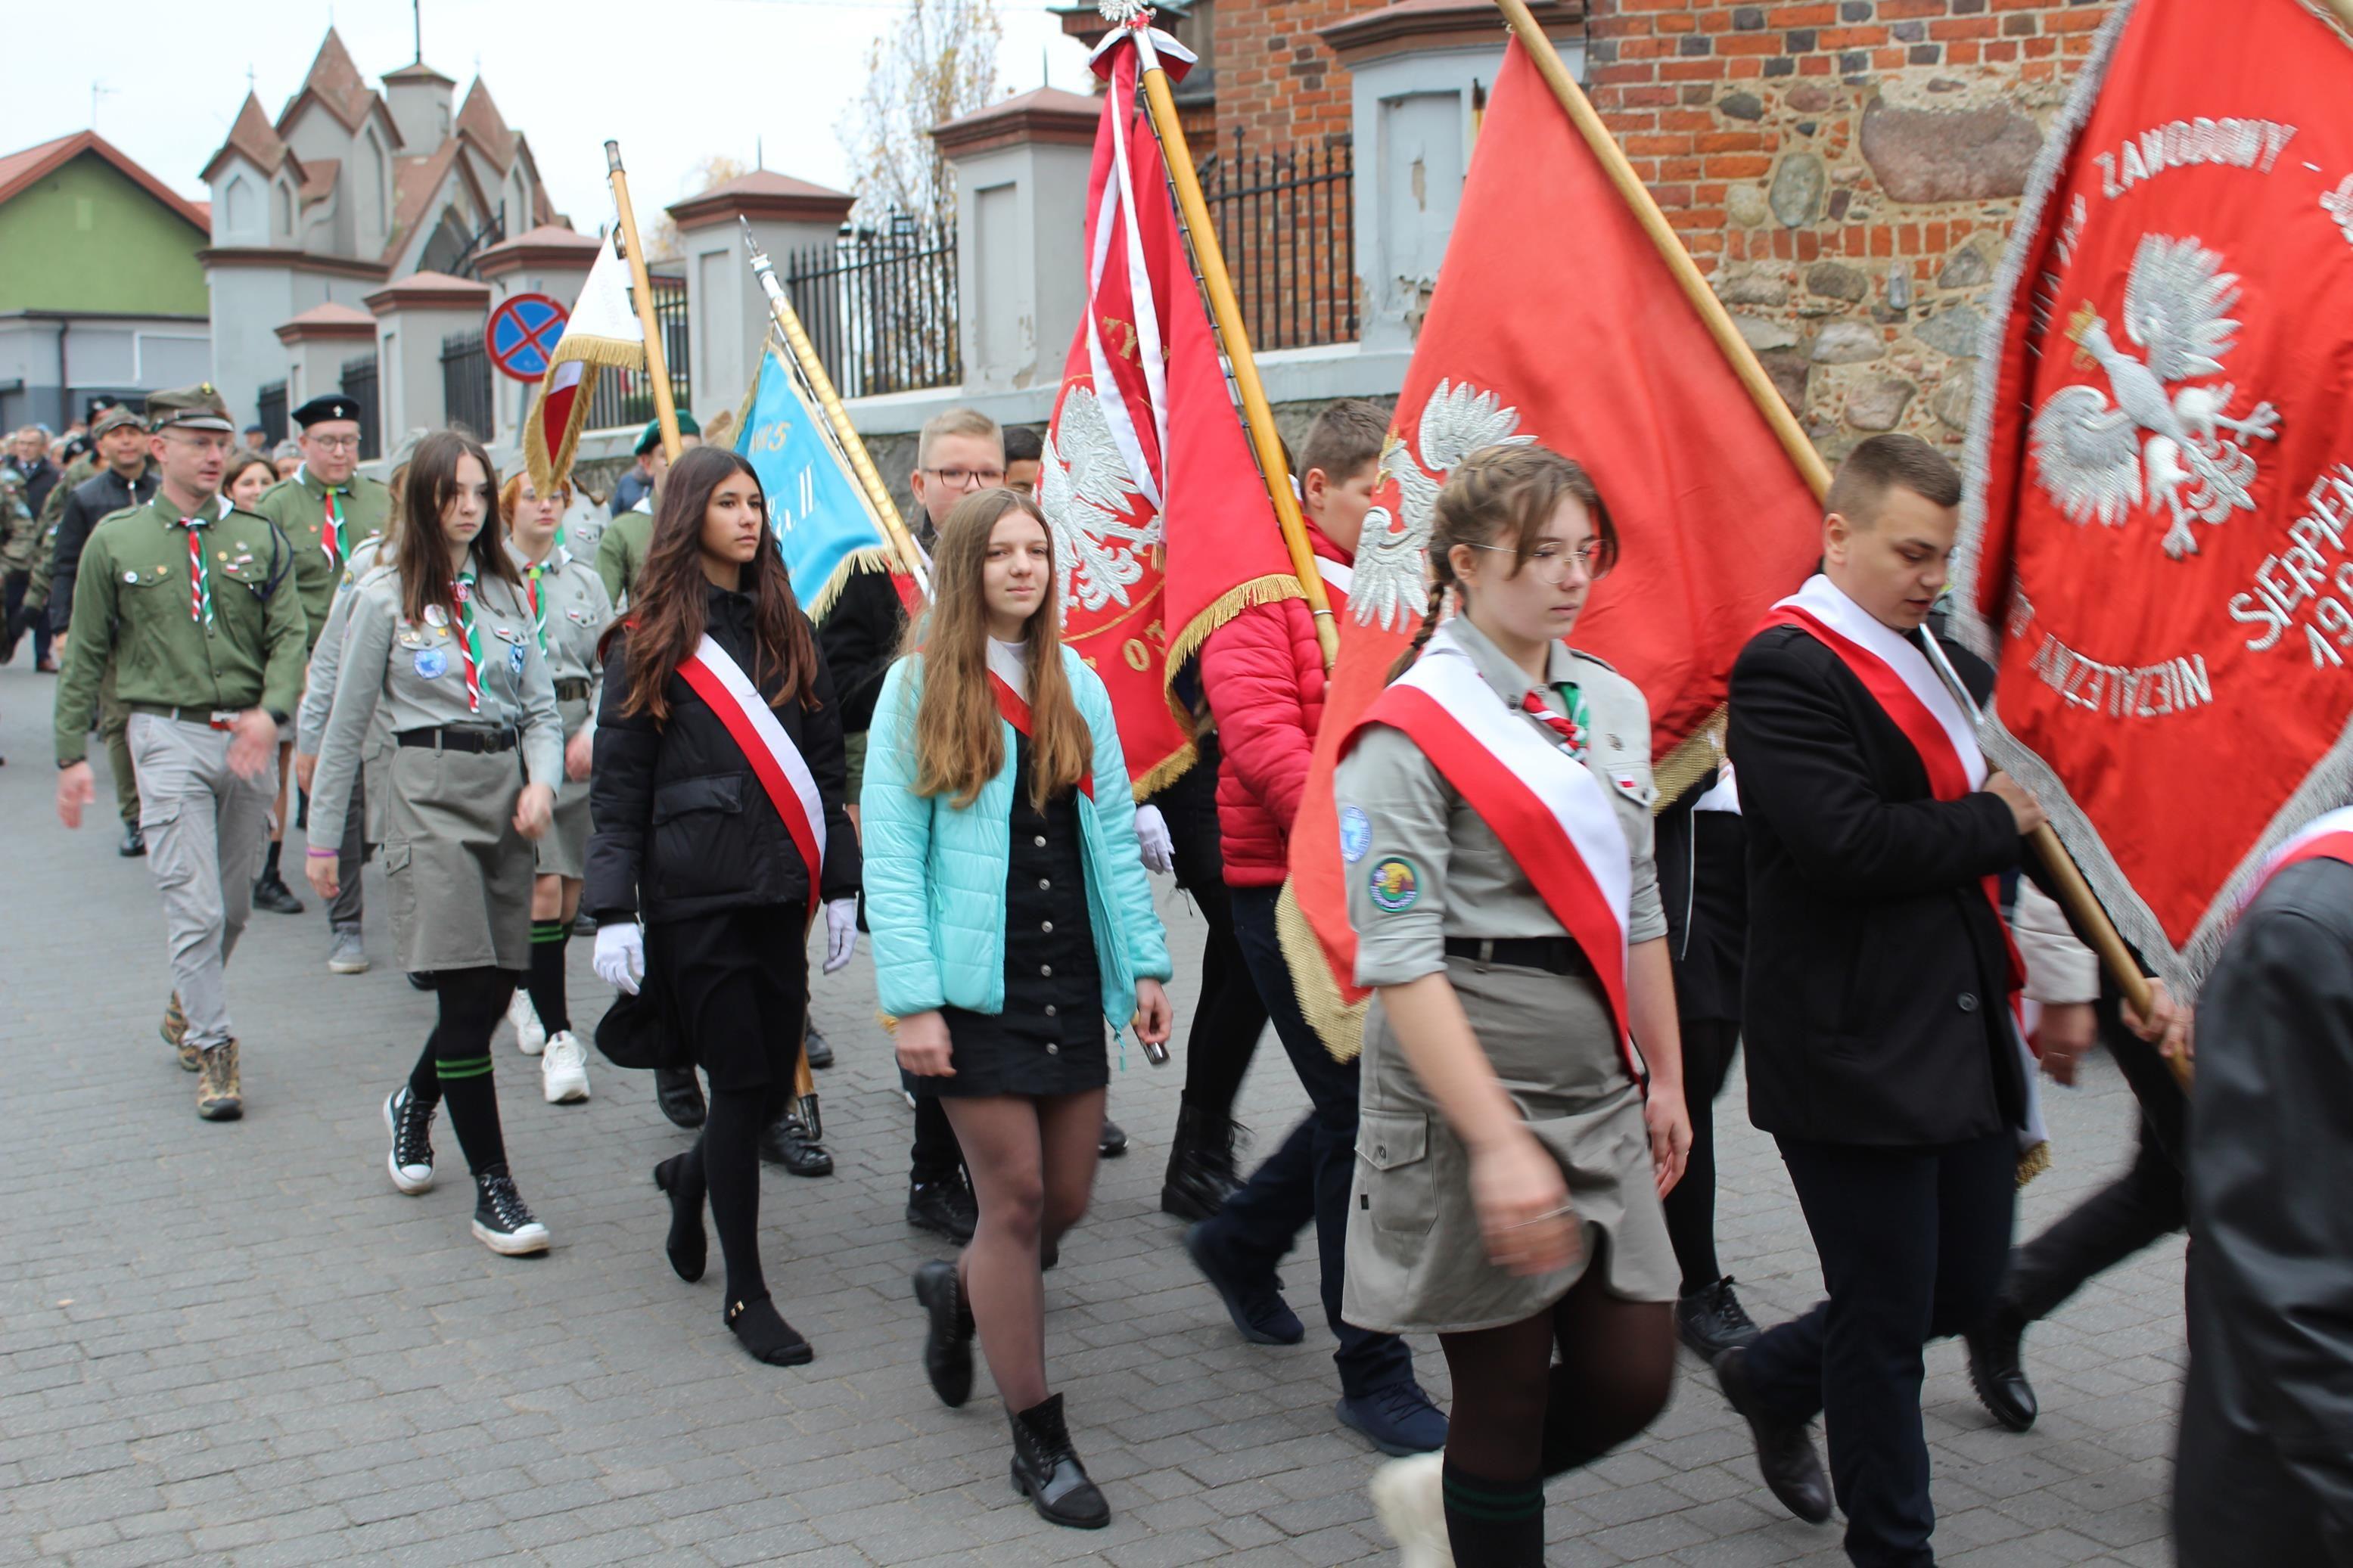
816	509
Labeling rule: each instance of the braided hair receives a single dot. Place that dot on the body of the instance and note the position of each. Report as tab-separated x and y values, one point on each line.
1516	487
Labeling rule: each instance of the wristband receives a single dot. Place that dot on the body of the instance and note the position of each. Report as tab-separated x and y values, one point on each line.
316	853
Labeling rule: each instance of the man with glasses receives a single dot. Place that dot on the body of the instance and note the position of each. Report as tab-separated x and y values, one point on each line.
188	601
324	511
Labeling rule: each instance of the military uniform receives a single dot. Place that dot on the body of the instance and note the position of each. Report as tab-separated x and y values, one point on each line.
571	610
621	551
364	822
197	619
89	503
20	546
1424	873
324	526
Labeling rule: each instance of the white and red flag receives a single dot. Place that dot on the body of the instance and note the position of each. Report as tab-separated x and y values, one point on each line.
2157	534
1162	526
603	330
1555	319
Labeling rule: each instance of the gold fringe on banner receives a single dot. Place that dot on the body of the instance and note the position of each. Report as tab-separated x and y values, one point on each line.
873	558
2033	1163
547	471
1693	759
1339	1024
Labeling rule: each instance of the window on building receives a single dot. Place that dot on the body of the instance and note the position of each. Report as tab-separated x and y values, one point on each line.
283	212
241	207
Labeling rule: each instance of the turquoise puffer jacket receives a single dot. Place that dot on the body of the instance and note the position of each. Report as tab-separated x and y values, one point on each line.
934	874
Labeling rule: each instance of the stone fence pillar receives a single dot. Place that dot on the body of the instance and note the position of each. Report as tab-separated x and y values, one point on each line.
412	316
727	310
543	260
317	342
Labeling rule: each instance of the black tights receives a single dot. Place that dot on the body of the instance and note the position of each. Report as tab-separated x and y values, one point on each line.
1708	1048
455	1067
1519	1417
726	1164
1228	1017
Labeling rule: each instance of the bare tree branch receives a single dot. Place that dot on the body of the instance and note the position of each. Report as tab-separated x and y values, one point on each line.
938	61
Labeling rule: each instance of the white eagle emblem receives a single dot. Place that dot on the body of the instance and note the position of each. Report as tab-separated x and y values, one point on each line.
1088	494
2180	451
2338	203
1392	566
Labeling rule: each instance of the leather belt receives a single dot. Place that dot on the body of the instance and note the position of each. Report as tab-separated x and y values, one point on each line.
573	688
1552	954
210	718
449	737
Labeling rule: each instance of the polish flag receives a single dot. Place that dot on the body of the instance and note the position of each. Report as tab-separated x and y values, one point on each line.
603	331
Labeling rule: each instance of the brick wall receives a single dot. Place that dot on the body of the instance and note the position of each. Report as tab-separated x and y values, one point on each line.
1278	85
1846	173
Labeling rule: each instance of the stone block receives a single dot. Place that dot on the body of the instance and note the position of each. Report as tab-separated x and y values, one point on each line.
1761	334
1950	401
1837	280
1877	403
1743	106
1965	267
1953	332
1798	186
1848	343
1949	155
1753	288
1746	207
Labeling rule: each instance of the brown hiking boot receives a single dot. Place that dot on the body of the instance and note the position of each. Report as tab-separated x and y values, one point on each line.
218	1098
175	1034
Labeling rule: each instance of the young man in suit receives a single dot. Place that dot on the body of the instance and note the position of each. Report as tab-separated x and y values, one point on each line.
1881	1047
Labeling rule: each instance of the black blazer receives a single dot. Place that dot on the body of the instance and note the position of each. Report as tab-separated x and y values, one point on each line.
1873	1004
680	825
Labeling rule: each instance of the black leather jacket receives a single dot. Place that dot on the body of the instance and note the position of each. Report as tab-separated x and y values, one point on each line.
103	494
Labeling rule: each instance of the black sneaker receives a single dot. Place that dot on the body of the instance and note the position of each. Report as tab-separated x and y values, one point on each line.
1113	1143
946	1207
1711	1320
271	893
502	1221
821	1053
411	1126
134	843
1253	1298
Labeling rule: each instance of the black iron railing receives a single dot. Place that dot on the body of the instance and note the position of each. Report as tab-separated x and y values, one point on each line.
1287	223
880	304
465	383
626	396
269	411
358	386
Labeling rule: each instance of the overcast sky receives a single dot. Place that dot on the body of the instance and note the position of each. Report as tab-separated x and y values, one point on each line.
674	80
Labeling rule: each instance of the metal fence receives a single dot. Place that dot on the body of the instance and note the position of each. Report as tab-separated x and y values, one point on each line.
1287	223
269	411
880	304
465	383
626	396
358	386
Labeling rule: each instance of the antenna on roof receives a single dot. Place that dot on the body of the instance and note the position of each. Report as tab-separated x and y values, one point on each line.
97	89
759	154
416	22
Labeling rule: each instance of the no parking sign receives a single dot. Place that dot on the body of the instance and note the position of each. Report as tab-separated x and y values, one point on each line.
522	335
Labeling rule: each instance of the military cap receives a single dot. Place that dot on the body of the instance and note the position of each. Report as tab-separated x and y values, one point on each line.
198	407
77	447
120	414
98	403
326	406
651	436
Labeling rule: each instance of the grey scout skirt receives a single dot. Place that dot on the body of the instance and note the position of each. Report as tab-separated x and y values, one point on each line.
563	850
1415	1258
459	873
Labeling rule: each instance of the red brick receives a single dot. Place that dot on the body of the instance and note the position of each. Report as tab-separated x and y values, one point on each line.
1909	10
1850	37
1738	166
1731	142
1966	28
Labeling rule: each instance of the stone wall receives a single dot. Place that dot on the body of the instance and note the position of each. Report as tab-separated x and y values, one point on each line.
1846	173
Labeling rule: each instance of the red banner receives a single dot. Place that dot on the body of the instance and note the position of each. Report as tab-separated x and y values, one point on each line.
2157	545
1555	319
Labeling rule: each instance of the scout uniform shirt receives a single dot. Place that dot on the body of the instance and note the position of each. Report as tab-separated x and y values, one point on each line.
570	611
621	553
1421	866
327	649
325	527
214	630
412	675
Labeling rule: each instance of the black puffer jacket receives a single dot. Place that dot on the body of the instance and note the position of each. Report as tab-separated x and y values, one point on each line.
680	824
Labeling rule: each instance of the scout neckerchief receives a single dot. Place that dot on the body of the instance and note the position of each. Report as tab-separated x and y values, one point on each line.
1554	818
715	676
1008	681
1573	730
200	577
331	525
469	638
538	606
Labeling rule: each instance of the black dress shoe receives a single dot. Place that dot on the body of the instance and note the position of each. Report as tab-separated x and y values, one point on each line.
1200	1175
947	1335
820	1054
1115	1140
680	1096
1712	1321
271	892
134	843
1995	1371
785	1141
1784	1452
944	1207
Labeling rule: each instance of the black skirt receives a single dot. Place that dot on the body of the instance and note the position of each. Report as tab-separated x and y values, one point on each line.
736	988
1049	1037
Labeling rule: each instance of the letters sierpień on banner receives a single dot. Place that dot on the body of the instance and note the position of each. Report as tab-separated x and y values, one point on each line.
2157	538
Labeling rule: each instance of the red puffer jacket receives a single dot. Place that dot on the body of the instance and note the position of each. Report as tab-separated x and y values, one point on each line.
1264	676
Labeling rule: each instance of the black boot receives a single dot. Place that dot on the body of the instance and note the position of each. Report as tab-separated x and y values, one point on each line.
785	1141
948	1337
1995	1371
821	1053
1047	1471
680	1096
1200	1165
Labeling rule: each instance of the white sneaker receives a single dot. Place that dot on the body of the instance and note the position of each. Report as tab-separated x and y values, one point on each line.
530	1035
1409	1496
563	1070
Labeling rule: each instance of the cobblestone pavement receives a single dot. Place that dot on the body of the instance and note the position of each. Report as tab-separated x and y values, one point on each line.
238	1344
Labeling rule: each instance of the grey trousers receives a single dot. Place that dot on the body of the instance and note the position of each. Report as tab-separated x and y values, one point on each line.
344	910
206	829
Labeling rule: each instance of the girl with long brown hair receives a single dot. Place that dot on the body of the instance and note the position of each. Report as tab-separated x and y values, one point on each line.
1011	917
716	802
440	643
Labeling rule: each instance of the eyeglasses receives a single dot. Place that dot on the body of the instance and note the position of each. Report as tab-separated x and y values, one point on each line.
1550	562
967	479
334	442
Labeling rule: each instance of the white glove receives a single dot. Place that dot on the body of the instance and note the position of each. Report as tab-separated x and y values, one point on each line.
1152	838
620	961
841	932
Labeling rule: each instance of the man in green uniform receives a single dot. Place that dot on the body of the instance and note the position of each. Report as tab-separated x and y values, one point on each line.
192	603
324	509
124	478
621	551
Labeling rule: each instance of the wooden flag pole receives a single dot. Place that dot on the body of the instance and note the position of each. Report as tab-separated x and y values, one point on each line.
861	465
2075	894
642	287
1257	416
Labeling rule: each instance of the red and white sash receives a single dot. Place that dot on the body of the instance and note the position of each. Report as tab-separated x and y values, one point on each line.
1338	577
1009	682
1553	815
721	682
2325	838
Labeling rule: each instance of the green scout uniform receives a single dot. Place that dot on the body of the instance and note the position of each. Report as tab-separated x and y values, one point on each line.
193	641
325	527
570	610
621	553
19	531
1422	867
364	822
